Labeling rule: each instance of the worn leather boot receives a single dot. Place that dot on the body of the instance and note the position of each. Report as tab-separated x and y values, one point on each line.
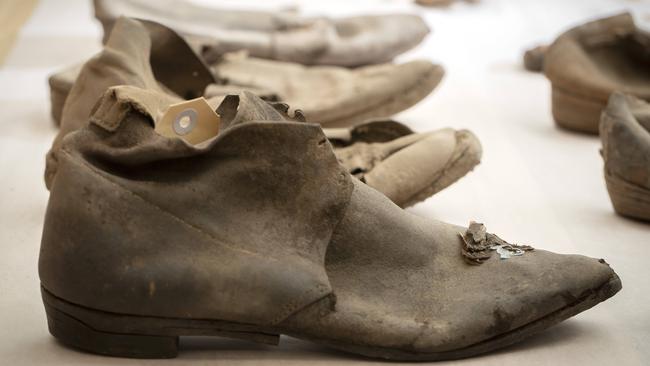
625	134
332	96
408	170
284	36
589	62
407	167
259	231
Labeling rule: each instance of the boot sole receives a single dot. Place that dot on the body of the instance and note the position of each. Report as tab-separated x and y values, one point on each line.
628	199
575	112
132	336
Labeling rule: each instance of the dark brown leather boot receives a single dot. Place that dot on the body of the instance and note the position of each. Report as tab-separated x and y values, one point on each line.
259	231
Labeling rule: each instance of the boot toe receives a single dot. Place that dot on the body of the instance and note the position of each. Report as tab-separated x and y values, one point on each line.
505	300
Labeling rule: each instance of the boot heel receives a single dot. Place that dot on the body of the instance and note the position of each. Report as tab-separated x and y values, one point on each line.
628	199
136	336
77	334
575	112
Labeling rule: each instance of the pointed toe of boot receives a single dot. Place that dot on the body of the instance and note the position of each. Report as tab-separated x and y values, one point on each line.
367	40
421	70
380	91
522	298
426	301
408	84
422	78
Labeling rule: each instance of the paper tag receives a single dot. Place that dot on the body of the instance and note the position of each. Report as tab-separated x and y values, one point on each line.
193	121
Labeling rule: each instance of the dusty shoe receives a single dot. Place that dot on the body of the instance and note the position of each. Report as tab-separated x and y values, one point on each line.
259	231
589	62
351	41
405	166
138	53
625	134
329	95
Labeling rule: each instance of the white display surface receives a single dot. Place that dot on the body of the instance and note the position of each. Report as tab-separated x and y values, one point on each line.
536	185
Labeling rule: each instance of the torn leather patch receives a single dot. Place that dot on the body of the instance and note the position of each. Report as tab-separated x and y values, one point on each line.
478	245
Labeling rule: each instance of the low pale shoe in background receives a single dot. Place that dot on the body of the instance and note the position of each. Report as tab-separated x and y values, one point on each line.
286	36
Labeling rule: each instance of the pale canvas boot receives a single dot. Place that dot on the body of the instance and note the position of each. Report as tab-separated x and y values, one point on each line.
256	230
589	62
407	167
332	96
285	36
625	134
61	84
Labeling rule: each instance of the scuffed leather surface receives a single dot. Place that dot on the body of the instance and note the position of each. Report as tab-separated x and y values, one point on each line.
625	135
400	282
238	230
599	57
